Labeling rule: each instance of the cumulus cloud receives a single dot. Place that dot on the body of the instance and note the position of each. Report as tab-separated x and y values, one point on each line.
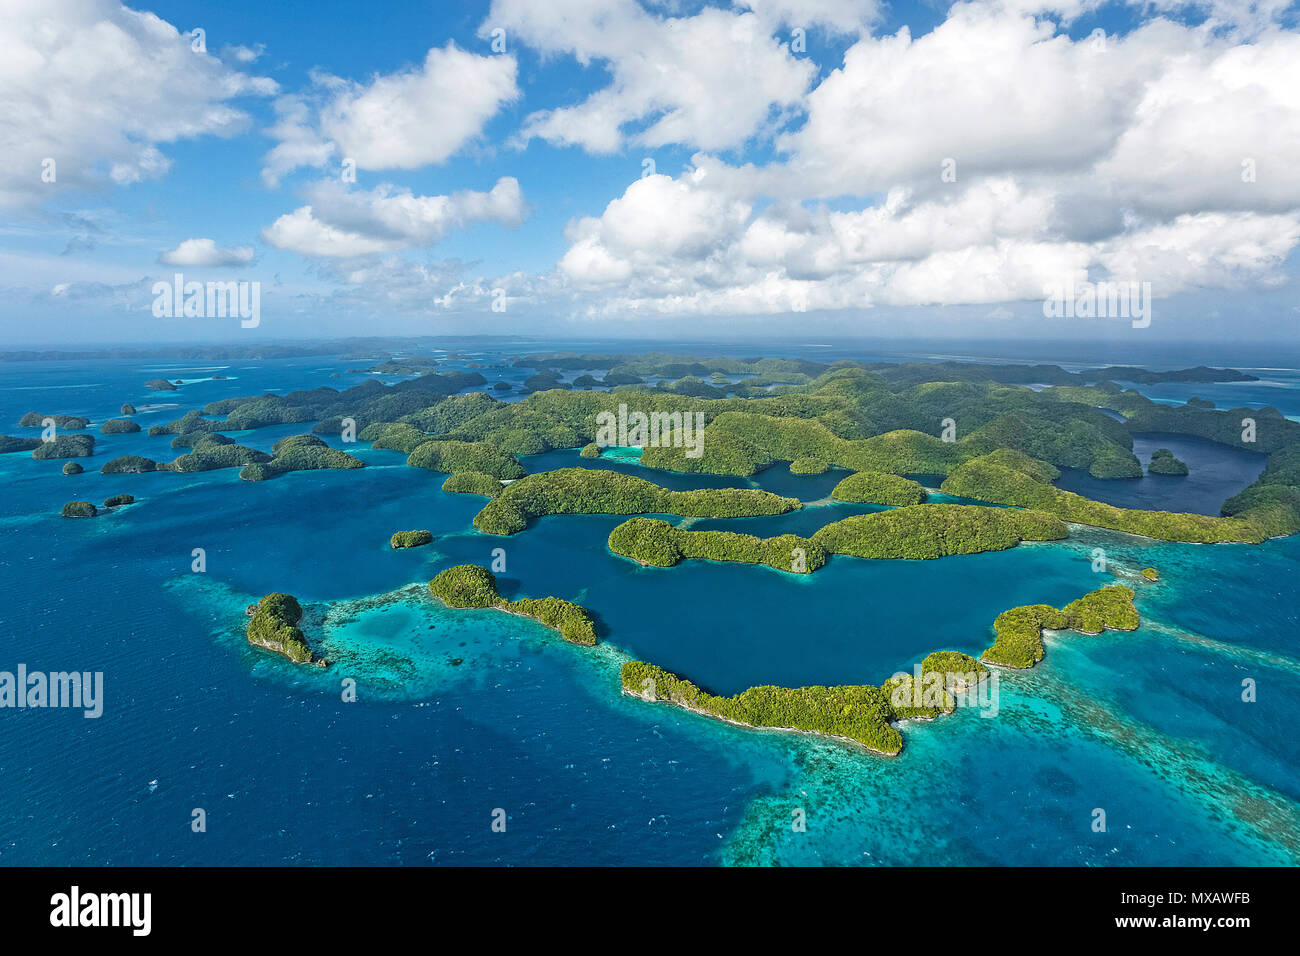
979	164
402	120
206	253
89	91
837	16
711	81
342	223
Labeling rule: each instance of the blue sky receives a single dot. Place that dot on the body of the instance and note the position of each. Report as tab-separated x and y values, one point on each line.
799	150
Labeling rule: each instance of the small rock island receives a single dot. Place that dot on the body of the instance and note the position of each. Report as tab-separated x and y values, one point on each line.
274	627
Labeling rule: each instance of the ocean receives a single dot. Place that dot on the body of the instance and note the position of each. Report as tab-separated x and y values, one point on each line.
462	716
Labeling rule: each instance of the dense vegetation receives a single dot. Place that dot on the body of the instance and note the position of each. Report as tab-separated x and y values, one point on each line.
65	446
9	443
274	626
918	532
471	586
456	456
922	532
297	453
473	483
116	501
890	419
65	422
809	465
875	488
590	450
72	468
1151	574
128	465
1009	478
79	509
655	542
584	491
860	713
410	539
1163	462
465	585
118	426
1019	630
211	452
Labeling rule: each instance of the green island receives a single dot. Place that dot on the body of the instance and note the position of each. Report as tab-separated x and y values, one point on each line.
913	532
866	714
79	509
1019	630
809	465
926	531
585	491
858	713
472	586
590	450
10	443
1151	574
65	446
160	385
1163	462
127	409
274	627
410	539
297	453
118	426
65	422
72	468
451	457
876	488
473	483
128	465
652	541
116	501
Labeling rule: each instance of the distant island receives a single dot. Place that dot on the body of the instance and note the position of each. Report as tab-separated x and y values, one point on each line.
1163	462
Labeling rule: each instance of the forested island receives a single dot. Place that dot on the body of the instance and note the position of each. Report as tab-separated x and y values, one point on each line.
917	533
274	627
866	714
471	586
973	425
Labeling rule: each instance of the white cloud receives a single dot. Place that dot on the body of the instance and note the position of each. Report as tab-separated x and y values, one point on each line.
711	81
340	223
1072	160
97	88
402	120
206	253
838	16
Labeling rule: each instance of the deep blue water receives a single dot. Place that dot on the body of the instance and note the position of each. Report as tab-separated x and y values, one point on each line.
460	713
1214	473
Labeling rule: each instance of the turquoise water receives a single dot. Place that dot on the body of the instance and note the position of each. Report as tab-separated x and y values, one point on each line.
459	713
